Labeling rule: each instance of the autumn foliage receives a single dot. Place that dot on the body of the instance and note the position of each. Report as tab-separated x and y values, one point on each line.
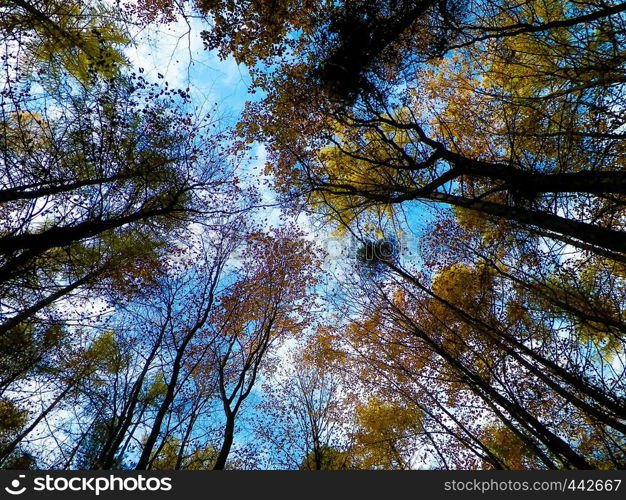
158	312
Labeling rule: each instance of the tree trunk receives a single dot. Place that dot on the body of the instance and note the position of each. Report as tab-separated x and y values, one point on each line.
227	443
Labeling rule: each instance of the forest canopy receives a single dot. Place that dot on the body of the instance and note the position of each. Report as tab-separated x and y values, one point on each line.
171	291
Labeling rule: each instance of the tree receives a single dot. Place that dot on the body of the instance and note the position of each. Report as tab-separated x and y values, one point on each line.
199	336
370	124
81	38
267	302
435	140
187	313
385	435
300	414
463	339
142	310
326	458
101	171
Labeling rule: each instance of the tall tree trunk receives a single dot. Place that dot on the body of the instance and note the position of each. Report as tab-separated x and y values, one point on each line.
227	443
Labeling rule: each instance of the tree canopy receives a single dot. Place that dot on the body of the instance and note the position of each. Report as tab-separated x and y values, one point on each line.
169	297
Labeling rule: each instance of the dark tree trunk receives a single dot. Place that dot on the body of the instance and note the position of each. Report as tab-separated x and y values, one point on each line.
227	443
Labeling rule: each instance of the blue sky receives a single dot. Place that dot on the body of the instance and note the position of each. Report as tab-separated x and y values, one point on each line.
176	51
